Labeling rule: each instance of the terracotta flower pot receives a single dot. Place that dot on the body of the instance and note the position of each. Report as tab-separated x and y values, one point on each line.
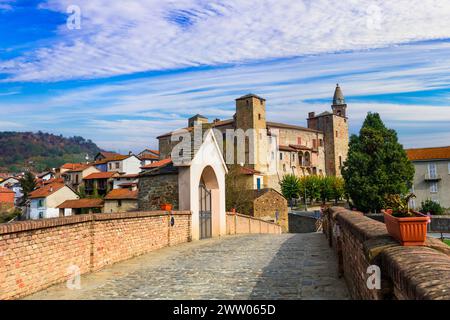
409	231
166	207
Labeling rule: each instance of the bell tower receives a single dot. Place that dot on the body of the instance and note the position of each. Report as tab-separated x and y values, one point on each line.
339	106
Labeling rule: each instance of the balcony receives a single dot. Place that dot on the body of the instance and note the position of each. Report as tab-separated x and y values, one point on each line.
432	177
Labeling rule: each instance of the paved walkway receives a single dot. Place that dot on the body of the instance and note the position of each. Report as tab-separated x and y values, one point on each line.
287	266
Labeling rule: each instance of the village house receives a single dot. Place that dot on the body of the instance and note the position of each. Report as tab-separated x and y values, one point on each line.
121	200
123	164
80	206
99	183
74	177
278	148
126	181
44	201
13	184
148	156
6	198
432	175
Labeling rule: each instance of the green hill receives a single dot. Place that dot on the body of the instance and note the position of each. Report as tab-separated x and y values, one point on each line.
39	151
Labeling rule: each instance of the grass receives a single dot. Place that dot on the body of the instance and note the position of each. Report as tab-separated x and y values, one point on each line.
447	241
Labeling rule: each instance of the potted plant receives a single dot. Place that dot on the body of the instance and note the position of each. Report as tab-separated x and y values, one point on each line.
403	224
164	204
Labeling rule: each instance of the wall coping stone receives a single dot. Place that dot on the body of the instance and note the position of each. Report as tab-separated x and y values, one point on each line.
28	225
251	217
418	272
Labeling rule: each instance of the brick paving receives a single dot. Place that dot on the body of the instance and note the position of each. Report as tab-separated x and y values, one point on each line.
287	266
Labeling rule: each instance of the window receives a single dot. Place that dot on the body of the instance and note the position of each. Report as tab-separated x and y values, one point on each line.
432	171
449	168
321	142
77	179
110	166
117	165
433	187
40	203
340	161
293	157
259	116
299	140
337	134
281	155
119	203
41	215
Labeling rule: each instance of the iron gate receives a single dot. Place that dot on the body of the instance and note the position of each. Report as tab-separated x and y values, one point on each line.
205	212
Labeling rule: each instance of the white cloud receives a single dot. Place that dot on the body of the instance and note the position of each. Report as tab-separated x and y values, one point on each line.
124	38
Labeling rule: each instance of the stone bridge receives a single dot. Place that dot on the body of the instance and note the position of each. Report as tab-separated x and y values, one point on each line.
150	255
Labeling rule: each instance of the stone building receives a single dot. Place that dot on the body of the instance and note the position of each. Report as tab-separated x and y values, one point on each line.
270	205
274	149
432	175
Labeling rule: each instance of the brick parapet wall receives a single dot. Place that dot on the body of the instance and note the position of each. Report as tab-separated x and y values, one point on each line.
242	224
37	254
406	272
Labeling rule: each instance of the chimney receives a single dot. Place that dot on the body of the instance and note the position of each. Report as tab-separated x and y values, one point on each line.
130	153
216	120
311	115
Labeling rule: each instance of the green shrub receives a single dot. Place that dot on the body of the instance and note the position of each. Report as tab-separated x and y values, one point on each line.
432	207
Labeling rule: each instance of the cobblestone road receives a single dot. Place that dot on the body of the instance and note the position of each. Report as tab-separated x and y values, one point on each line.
287	266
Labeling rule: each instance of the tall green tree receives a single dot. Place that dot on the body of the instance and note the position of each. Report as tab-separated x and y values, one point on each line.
377	165
28	184
290	187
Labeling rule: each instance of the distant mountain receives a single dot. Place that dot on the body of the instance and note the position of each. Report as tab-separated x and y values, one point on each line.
40	151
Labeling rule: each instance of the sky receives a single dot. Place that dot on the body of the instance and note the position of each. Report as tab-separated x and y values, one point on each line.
123	72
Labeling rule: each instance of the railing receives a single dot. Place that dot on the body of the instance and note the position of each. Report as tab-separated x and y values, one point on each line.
432	177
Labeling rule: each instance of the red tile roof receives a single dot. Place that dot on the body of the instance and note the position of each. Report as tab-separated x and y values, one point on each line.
122	194
299	147
429	153
46	190
71	166
100	175
287	148
158	164
149	157
81	167
81	204
5	190
117	157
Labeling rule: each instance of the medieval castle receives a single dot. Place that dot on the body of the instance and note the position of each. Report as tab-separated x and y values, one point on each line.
277	148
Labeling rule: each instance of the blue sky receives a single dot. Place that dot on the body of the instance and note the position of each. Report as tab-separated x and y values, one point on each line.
136	70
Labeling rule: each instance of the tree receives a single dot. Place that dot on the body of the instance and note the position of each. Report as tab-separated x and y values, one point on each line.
312	184
338	189
28	184
290	187
377	166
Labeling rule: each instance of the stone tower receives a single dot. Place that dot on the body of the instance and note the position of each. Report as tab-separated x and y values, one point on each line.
251	114
334	125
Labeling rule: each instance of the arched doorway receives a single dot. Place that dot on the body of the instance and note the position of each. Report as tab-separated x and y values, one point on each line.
209	204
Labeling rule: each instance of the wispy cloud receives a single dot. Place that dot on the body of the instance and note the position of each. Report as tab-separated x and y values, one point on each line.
129	114
117	39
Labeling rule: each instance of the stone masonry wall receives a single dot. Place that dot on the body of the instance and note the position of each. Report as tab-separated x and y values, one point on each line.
266	205
406	272
155	188
37	254
243	224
